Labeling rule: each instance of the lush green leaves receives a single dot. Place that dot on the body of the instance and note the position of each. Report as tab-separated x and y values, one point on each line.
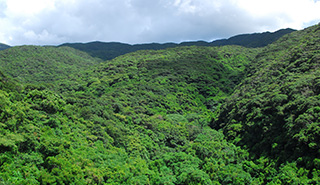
275	111
35	64
144	117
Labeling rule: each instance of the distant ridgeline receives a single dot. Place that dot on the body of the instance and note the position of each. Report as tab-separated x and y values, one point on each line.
110	50
3	46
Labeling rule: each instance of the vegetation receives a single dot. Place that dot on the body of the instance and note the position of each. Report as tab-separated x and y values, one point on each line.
3	46
183	115
274	111
253	40
138	119
110	50
35	64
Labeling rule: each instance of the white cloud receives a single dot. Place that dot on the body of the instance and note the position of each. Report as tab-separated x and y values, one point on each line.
295	14
28	8
136	21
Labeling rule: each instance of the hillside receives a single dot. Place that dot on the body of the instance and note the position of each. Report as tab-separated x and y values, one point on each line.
138	119
182	115
253	40
107	51
4	46
43	64
274	112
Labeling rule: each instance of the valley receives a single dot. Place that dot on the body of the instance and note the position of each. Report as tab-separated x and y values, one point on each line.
176	115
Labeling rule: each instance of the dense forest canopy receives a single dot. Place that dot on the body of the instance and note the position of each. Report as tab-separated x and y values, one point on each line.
275	110
35	64
182	115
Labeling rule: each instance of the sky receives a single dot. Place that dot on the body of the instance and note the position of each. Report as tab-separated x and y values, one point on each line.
53	22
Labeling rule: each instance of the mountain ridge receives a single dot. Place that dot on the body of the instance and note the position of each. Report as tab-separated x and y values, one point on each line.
4	46
254	39
110	50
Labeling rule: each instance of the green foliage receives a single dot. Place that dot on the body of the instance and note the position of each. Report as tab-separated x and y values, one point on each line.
35	64
111	50
134	120
253	40
275	111
185	115
4	46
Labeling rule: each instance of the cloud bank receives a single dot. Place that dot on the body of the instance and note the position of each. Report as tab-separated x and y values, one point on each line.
52	22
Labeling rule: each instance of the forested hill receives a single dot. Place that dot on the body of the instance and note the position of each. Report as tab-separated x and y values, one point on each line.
110	50
182	115
43	64
138	119
274	112
253	40
3	46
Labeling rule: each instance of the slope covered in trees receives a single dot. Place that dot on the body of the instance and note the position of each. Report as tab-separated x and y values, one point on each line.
110	50
107	51
3	46
184	115
43	64
138	119
253	40
274	112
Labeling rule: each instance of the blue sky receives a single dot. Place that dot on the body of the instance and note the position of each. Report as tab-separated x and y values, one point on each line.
52	22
